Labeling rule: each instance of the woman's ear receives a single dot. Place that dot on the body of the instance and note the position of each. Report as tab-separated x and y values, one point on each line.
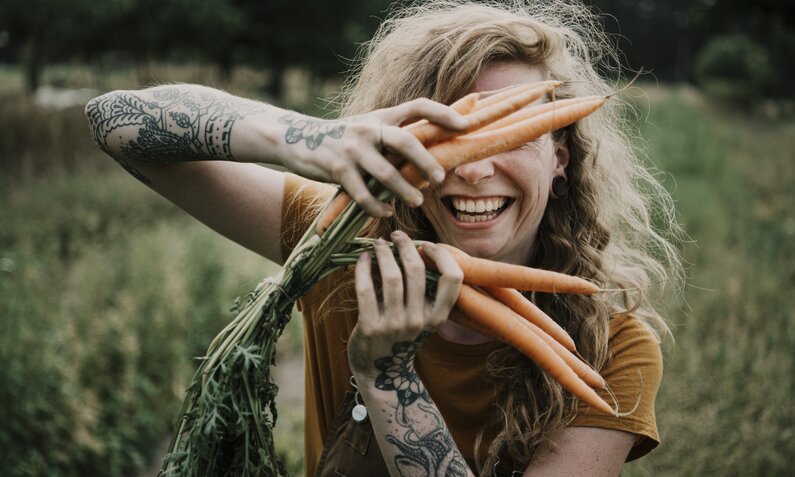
562	156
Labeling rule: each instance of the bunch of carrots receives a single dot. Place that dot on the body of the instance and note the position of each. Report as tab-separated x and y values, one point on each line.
497	123
226	421
491	304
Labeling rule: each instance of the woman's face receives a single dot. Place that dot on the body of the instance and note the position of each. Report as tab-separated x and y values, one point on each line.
492	208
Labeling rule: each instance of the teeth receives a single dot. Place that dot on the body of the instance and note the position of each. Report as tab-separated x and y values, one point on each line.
472	206
475	218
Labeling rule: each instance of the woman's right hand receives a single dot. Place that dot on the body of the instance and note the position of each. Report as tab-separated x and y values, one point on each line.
404	312
373	144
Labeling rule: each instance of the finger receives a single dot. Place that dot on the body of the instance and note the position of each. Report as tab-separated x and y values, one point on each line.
414	273
434	112
354	185
365	291
450	279
372	162
391	281
411	149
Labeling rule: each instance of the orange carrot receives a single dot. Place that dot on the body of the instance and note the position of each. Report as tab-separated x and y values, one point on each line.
431	133
591	377
528	113
490	98
496	317
487	273
331	212
479	145
529	311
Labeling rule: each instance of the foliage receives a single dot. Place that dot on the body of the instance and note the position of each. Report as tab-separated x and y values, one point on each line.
99	328
734	67
729	374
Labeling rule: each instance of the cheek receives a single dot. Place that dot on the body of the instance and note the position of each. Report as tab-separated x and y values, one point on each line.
432	207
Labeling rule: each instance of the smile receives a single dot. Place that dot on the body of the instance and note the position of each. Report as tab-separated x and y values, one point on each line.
477	209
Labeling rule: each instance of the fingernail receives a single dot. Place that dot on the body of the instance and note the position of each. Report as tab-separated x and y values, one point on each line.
438	176
396	233
380	242
364	257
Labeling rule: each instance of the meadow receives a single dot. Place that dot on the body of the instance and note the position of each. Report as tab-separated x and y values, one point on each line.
108	293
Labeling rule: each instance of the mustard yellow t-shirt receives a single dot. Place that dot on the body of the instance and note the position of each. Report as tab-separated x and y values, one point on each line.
454	374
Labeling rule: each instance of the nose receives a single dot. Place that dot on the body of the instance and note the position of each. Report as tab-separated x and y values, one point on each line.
475	172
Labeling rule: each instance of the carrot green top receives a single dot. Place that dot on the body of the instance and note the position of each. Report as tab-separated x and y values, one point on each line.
454	374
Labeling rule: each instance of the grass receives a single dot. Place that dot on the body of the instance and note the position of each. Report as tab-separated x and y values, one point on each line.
725	407
107	292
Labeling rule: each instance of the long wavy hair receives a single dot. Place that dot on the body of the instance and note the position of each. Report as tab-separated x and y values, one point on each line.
616	226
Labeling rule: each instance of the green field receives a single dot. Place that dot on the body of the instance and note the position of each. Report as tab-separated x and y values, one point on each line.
107	293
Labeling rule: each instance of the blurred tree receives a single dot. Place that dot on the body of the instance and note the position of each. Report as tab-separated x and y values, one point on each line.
734	67
37	27
314	34
145	30
664	36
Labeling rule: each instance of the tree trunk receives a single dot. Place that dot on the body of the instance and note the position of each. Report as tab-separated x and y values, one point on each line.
275	88
224	64
34	61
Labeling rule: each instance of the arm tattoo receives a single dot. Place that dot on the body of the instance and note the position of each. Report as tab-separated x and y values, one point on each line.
313	131
426	447
175	124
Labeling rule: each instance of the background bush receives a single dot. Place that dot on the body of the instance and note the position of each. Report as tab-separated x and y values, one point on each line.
735	68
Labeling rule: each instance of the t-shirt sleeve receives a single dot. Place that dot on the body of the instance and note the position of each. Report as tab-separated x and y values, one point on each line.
303	199
633	373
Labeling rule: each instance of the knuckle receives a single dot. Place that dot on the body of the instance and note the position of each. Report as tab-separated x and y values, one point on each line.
392	279
337	169
422	102
414	266
405	140
358	127
349	148
453	277
360	197
362	290
389	175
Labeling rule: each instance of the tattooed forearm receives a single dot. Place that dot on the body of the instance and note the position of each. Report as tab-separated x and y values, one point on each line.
313	131
169	124
423	443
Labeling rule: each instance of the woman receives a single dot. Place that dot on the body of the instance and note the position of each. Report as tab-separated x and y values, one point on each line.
441	399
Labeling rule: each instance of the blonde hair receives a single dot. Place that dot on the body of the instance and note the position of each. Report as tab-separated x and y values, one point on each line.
607	228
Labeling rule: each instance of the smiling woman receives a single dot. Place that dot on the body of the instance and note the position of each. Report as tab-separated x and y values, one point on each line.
440	399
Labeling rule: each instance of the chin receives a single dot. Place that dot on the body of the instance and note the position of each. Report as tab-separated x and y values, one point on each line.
481	247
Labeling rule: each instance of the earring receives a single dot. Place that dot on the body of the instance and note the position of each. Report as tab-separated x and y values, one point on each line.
560	186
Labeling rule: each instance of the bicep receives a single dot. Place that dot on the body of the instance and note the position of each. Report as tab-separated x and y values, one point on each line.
577	451
241	201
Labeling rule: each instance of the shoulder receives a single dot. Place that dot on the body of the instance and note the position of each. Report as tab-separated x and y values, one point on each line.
633	372
302	201
632	343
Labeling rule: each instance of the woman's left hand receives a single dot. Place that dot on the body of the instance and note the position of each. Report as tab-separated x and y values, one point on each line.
404	313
